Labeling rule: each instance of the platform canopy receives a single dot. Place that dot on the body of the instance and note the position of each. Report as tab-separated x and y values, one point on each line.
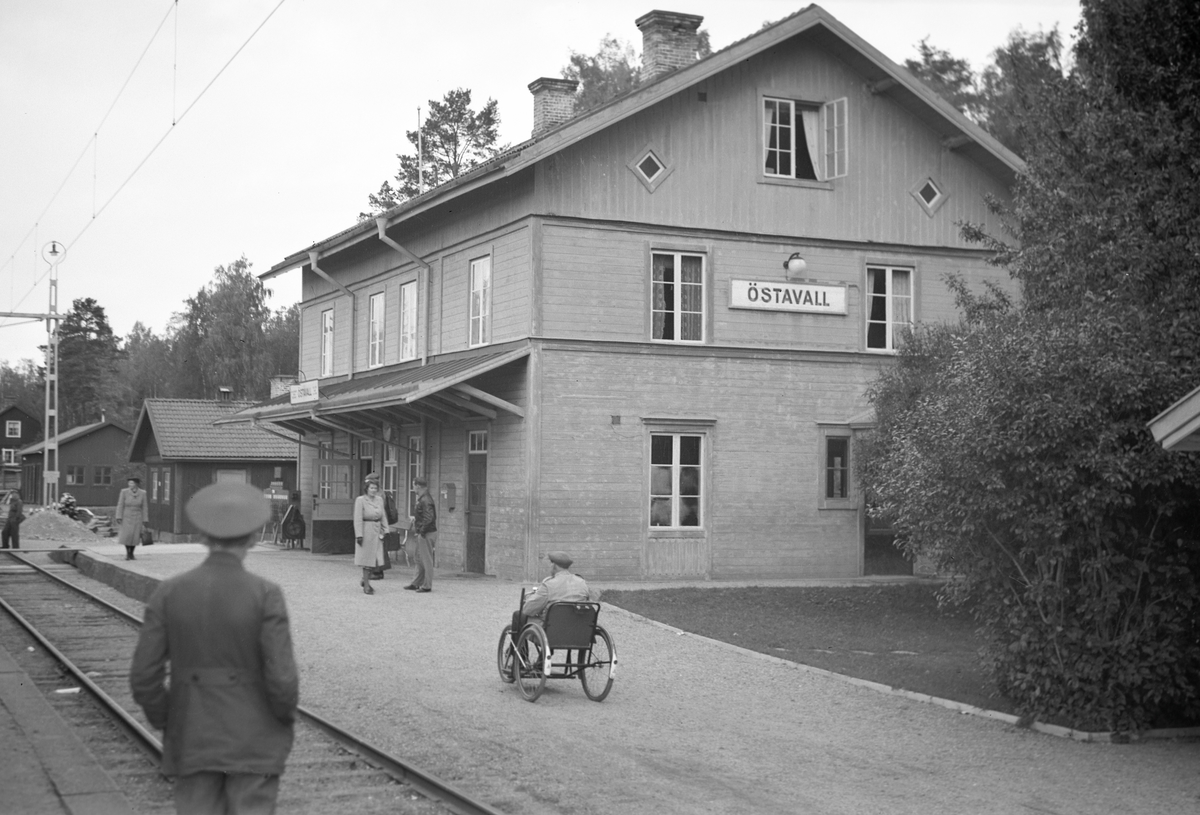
1178	427
365	404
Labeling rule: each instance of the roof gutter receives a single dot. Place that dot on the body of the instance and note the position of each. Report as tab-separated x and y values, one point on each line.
381	227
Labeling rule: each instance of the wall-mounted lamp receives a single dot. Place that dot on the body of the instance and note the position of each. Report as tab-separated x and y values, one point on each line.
795	264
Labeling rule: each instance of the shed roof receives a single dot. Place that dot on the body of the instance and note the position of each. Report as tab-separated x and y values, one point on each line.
74	433
183	429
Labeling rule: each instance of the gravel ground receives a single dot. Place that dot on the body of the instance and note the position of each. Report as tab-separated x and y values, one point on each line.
690	726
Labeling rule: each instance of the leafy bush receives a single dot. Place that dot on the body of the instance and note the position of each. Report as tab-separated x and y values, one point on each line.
1013	451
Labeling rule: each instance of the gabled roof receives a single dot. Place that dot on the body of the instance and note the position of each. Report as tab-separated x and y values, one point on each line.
74	433
813	22
183	430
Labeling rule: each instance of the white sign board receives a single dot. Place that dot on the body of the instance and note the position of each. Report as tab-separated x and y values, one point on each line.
304	392
802	296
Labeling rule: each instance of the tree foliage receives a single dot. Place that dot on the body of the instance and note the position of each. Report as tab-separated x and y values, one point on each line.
1013	448
614	70
453	139
88	353
21	385
951	78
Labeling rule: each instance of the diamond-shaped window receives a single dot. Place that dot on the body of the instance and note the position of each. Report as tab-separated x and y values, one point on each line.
650	167
929	193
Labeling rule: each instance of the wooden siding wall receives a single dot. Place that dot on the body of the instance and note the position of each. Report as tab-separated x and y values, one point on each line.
714	152
106	447
760	498
596	286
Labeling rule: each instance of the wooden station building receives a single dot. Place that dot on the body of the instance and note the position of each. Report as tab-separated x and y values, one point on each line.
644	335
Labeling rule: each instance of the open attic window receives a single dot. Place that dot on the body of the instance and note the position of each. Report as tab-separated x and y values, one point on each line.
929	195
649	169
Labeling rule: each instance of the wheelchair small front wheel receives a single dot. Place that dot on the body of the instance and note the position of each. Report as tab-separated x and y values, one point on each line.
529	662
600	668
504	655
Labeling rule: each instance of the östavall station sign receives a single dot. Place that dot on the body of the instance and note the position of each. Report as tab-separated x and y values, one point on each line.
802	296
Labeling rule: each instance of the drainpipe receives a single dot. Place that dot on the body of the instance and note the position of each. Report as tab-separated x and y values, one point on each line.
381	225
312	260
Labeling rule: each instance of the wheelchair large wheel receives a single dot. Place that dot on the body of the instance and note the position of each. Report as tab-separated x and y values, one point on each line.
504	655
529	662
597	675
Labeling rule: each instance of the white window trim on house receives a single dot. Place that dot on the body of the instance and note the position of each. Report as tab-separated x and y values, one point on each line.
408	321
479	330
825	127
327	342
897	308
677	427
9	456
675	309
375	329
12	428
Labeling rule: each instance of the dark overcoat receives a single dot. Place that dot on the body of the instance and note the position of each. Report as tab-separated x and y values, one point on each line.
234	686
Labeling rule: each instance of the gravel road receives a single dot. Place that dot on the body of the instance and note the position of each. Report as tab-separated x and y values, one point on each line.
690	726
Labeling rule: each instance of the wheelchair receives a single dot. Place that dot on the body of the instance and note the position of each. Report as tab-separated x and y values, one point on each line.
568	644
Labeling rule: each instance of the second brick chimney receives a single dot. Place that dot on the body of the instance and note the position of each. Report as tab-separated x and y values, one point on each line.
668	41
553	102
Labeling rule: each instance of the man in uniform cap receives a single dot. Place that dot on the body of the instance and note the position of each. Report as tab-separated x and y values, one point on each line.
561	585
234	688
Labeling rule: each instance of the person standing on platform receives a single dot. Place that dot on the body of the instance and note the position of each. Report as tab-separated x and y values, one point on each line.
369	526
132	510
229	711
11	536
424	526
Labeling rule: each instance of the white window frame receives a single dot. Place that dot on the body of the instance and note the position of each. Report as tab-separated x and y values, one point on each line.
327	342
480	328
408	321
9	456
829	158
826	435
152	477
676	310
897	312
166	485
12	428
676	469
415	464
376	304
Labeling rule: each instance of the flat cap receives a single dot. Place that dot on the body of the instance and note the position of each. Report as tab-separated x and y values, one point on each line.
227	510
561	559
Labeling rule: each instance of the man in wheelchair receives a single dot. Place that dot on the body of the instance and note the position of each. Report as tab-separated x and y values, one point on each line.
560	586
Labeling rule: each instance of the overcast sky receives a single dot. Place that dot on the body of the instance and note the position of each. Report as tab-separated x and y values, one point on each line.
284	146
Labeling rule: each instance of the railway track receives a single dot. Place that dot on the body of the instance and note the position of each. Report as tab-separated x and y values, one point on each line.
77	648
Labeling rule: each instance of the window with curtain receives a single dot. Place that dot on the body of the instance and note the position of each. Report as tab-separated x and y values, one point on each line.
677	307
676	471
889	306
375	305
805	141
481	301
408	321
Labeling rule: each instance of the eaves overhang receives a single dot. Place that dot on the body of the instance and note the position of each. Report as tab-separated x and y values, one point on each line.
1178	427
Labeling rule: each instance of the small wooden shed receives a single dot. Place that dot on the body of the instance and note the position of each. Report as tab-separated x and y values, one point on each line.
91	460
183	451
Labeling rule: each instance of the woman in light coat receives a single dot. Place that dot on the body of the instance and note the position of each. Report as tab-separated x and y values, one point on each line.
370	522
132	511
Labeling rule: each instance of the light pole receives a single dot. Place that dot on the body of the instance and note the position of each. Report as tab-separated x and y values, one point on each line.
53	253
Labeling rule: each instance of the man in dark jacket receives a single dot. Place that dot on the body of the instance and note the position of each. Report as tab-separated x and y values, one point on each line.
424	526
234	688
11	534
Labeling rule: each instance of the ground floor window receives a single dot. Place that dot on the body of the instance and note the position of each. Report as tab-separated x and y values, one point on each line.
102	477
166	488
73	474
153	485
414	470
10	456
835	488
676	470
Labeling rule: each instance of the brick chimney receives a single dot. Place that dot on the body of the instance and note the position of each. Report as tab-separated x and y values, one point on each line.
668	41
553	102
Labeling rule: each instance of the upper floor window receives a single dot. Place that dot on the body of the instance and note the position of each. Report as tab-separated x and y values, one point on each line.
481	301
10	456
375	331
327	342
408	320
676	467
12	429
677	309
889	306
803	140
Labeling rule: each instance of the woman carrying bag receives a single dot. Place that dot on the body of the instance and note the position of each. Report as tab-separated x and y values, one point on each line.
370	522
132	509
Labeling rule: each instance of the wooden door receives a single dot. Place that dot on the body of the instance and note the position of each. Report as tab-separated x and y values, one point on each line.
476	555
